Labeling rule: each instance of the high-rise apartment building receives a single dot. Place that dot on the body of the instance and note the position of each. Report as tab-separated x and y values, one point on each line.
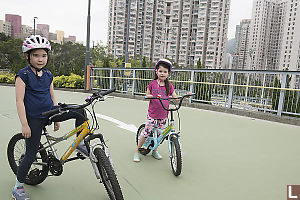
184	31
266	34
290	49
60	36
242	34
70	39
5	27
25	32
16	23
44	29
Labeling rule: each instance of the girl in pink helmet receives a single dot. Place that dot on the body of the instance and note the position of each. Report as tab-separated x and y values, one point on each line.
159	86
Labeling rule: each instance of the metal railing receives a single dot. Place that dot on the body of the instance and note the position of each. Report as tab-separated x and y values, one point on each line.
4	71
266	91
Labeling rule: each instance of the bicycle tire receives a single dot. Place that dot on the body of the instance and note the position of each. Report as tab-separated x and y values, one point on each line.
176	160
37	172
138	134
109	178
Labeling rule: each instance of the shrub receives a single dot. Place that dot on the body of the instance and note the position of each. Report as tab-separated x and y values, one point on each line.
72	81
7	78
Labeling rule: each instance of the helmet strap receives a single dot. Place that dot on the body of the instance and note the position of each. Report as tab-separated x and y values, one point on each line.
37	69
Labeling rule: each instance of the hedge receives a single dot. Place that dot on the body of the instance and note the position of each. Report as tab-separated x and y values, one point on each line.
72	81
7	78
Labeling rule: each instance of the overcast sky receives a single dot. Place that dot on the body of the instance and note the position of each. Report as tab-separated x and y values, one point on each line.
71	15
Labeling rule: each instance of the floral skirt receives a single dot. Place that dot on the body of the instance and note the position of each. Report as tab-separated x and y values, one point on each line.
150	125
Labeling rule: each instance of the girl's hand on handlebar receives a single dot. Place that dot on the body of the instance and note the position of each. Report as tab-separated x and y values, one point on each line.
56	126
149	95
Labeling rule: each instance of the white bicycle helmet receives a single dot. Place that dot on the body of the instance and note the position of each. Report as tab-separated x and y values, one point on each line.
164	61
35	42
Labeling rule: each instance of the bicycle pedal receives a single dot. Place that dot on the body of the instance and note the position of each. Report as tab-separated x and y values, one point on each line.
144	151
34	173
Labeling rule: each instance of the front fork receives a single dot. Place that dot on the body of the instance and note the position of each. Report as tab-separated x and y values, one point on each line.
169	143
94	160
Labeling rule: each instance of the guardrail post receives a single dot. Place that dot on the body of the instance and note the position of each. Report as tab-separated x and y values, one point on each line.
111	79
192	79
133	82
282	95
298	87
246	91
88	78
92	75
231	90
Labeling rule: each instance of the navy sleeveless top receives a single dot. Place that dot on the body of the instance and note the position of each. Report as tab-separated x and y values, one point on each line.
37	97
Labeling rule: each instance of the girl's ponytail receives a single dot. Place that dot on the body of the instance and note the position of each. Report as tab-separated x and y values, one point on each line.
167	86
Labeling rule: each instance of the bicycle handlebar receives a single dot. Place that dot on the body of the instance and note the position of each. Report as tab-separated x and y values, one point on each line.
170	98
63	107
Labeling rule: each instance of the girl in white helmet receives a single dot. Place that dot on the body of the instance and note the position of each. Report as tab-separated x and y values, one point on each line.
159	86
35	95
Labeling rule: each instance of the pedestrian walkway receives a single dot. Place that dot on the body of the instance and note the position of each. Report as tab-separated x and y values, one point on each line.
225	157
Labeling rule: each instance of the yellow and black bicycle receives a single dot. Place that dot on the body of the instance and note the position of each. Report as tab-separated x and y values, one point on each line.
47	159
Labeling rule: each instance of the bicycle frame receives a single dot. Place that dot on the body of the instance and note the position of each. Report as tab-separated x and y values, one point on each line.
84	131
158	140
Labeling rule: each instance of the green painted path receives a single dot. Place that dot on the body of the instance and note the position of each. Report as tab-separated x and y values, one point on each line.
225	157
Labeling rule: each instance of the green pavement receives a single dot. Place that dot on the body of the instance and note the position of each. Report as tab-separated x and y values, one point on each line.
225	157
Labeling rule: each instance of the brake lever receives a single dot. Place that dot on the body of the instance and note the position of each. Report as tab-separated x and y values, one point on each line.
101	99
62	105
88	98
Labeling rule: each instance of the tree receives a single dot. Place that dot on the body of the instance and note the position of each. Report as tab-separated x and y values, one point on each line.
11	55
4	37
144	62
66	58
202	90
199	65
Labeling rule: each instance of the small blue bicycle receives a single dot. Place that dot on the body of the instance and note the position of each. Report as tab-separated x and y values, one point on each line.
169	133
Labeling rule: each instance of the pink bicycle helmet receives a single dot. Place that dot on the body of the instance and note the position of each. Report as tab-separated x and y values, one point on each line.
35	42
164	61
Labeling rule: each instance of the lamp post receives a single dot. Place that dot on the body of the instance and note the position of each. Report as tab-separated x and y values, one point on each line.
34	25
87	52
127	37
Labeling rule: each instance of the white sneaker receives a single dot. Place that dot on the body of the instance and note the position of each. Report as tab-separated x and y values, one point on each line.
136	157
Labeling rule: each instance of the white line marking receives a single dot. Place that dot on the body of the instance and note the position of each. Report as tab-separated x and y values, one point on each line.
129	127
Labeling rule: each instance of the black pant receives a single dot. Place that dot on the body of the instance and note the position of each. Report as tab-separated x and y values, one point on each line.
33	143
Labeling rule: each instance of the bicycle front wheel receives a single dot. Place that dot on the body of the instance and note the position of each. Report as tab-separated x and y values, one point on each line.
176	161
108	175
16	149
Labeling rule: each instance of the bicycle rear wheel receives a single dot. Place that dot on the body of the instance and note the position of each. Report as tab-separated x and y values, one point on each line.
108	175
176	160
16	149
137	137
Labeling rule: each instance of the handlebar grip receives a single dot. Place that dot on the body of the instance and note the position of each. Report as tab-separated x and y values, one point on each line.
50	112
150	97
107	92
